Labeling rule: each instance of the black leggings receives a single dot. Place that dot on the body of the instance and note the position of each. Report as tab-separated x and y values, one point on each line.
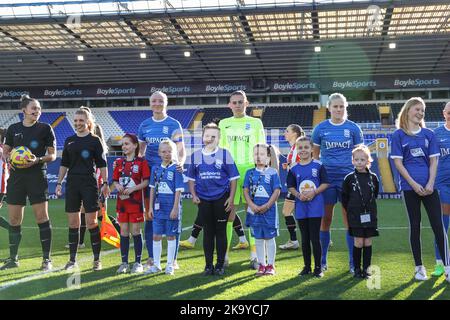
214	218
433	207
310	232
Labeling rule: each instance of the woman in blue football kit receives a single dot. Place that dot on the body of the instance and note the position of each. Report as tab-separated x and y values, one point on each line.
443	180
262	188
415	152
151	132
213	176
166	186
334	140
306	181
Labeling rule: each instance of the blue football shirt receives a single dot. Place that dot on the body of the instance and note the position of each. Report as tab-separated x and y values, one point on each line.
166	181
305	178
336	142
416	151
153	131
261	185
212	173
443	171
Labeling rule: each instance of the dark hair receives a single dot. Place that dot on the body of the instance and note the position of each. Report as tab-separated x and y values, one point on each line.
25	100
239	93
297	129
133	139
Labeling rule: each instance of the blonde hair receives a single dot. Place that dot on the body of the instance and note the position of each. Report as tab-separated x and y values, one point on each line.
172	146
336	96
364	149
402	119
163	95
272	152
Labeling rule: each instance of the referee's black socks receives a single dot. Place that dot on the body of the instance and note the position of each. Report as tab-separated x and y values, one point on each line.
96	242
45	233
15	235
74	238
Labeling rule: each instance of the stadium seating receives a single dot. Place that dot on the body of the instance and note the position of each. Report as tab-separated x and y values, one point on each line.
363	113
47	117
281	117
220	113
62	131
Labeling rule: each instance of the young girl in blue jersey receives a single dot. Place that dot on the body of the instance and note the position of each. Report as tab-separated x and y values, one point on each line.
213	176
306	181
262	188
166	186
415	152
443	181
334	139
359	194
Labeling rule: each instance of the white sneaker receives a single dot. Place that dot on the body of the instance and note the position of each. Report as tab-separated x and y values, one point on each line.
421	273
149	263
153	269
175	265
170	270
447	273
290	245
137	268
123	268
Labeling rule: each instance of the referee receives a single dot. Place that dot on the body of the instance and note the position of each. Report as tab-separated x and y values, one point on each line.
29	181
82	153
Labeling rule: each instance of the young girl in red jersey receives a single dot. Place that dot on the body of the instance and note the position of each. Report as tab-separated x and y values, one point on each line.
131	175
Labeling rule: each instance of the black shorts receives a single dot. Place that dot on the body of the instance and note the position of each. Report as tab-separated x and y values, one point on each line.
363	232
289	197
81	189
32	185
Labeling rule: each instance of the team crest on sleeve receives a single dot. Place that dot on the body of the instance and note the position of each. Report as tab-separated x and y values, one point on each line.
267	178
314	173
219	163
346	133
170	175
166	130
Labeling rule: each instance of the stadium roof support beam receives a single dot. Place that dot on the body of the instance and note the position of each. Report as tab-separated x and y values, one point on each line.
440	56
251	39
384	32
150	45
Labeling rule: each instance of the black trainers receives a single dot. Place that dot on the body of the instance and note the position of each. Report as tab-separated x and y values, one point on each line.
318	273
9	264
357	273
305	271
365	274
219	270
209	271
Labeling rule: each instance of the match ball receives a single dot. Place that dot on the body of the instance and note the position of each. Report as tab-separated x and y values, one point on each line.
19	156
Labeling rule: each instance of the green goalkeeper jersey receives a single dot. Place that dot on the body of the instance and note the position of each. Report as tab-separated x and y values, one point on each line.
239	136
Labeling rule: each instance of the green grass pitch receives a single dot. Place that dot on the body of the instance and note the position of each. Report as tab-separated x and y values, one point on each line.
391	254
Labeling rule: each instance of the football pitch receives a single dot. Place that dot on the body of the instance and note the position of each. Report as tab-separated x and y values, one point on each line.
391	257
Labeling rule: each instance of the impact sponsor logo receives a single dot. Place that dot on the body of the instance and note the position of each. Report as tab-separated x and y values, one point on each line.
171	89
354	84
294	86
416	82
115	91
225	88
62	93
445	152
238	139
343	145
12	94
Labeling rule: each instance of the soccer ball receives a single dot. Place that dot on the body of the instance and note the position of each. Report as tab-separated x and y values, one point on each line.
19	156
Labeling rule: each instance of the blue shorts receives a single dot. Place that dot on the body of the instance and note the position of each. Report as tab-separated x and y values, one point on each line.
166	226
332	195
444	195
264	232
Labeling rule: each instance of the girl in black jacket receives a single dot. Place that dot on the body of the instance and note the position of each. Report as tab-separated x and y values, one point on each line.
359	194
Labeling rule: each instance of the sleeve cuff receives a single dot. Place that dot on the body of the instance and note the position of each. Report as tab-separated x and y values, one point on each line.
234	178
396	157
180	189
435	155
316	144
152	186
190	179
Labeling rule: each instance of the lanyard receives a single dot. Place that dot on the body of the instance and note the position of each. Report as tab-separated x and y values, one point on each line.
253	187
157	179
372	191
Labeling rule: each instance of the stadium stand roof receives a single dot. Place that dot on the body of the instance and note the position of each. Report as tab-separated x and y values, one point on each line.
40	41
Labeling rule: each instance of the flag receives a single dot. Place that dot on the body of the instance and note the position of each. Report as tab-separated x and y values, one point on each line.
108	232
